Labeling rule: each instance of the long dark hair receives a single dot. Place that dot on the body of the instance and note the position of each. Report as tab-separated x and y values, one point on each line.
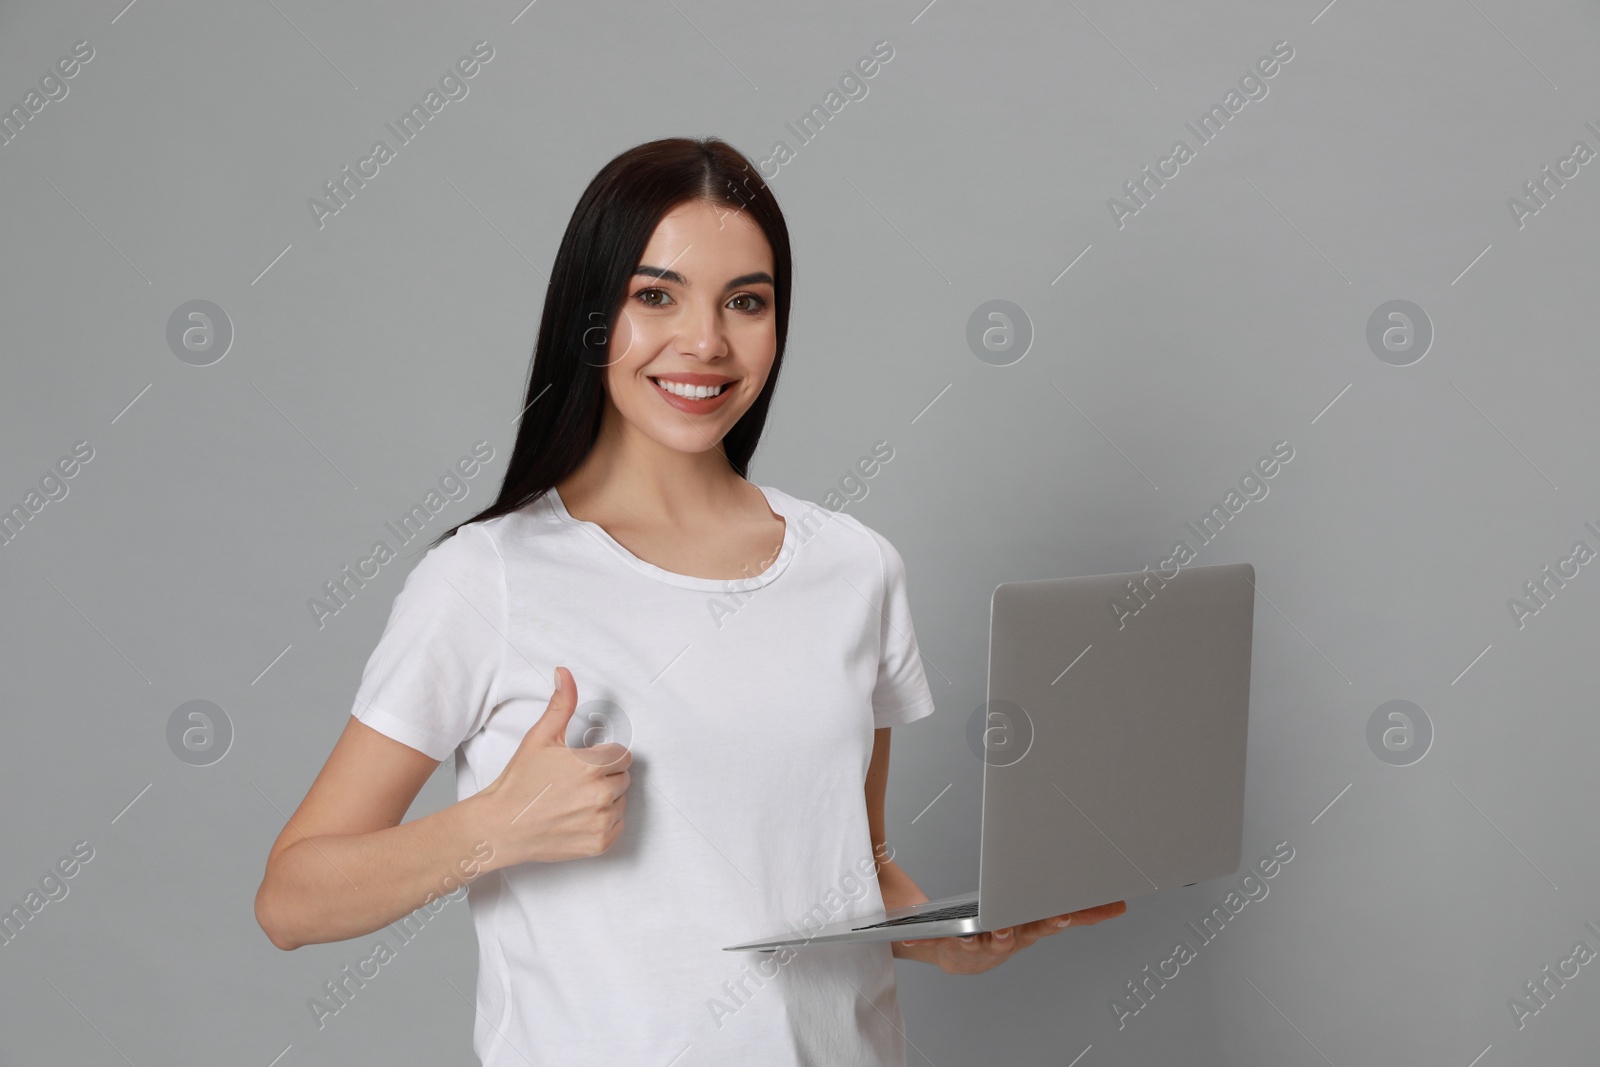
605	237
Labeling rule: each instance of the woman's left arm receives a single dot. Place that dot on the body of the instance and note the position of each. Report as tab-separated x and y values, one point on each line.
955	955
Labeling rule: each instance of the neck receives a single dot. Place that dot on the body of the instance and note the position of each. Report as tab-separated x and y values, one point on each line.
629	473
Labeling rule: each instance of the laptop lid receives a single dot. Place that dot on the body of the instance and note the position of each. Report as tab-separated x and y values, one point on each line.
1116	730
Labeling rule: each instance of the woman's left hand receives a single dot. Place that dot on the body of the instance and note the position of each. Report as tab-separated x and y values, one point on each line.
976	953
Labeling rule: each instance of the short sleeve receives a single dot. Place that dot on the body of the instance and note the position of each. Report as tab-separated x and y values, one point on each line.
430	682
901	694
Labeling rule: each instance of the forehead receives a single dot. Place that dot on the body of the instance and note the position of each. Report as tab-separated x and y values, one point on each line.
698	232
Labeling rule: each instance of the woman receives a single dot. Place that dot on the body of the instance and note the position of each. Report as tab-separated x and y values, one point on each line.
743	654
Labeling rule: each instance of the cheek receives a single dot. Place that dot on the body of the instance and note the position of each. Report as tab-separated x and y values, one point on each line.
759	367
626	339
626	391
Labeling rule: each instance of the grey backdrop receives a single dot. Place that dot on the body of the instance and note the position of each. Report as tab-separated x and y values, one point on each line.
1169	344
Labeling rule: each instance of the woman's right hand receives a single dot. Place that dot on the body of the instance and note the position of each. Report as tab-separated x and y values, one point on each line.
553	802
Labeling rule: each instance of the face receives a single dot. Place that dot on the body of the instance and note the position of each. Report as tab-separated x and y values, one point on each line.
698	314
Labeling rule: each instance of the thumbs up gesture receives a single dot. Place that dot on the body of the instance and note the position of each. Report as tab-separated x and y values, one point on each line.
553	802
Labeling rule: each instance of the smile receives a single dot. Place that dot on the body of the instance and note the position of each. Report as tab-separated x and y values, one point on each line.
693	399
691	392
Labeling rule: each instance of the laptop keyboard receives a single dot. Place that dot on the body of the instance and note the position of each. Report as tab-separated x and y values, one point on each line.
965	910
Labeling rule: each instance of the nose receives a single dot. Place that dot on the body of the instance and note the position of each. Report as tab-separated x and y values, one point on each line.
702	335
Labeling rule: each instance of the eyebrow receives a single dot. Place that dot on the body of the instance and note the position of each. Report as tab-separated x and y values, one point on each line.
756	278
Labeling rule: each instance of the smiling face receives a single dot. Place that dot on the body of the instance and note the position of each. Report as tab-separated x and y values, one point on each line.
698	315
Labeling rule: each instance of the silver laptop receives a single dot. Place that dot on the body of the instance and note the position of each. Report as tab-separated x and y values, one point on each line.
1113	744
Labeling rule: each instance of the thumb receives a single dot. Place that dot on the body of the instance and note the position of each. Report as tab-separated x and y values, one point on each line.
552	725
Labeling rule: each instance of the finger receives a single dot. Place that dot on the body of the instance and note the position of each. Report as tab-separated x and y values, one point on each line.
1040	928
551	727
1006	941
607	757
1090	916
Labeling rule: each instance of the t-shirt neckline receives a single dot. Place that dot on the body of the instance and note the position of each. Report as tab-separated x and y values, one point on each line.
687	581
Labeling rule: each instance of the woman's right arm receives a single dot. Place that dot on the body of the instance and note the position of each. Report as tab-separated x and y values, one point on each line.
345	865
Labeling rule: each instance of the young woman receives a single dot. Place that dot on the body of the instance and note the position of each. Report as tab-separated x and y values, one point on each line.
735	656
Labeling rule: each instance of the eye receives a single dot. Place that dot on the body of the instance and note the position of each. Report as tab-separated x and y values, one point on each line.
759	303
640	296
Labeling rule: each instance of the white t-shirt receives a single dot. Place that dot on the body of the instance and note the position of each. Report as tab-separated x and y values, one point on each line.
749	707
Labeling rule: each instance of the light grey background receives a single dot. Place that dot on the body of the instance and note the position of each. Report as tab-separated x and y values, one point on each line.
1228	314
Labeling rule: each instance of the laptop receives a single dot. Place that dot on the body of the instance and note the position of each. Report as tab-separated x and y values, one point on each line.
1113	747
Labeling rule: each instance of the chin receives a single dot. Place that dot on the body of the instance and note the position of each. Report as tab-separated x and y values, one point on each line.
670	431
688	439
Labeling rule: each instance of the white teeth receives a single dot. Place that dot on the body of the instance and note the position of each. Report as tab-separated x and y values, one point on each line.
690	392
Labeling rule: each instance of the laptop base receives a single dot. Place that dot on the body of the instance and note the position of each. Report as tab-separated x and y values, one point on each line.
862	928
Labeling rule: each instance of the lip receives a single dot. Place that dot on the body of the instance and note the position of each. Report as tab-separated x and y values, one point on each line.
693	407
